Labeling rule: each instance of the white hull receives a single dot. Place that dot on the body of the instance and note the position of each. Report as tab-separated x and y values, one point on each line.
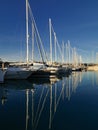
37	66
17	73
22	72
52	70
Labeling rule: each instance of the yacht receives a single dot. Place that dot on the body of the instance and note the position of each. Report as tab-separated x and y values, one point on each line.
22	72
17	73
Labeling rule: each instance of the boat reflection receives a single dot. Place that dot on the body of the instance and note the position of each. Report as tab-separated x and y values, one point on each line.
72	83
43	98
3	95
55	94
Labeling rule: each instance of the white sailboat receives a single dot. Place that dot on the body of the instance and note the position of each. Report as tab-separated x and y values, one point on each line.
19	72
36	37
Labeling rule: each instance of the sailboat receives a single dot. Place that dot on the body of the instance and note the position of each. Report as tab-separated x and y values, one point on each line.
19	72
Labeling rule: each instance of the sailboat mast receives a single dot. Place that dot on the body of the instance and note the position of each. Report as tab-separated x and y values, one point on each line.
27	29
32	42
55	46
69	52
62	52
50	41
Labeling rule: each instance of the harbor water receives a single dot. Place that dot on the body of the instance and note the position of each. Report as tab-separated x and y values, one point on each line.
59	103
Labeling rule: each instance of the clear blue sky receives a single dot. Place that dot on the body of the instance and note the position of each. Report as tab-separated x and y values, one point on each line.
74	20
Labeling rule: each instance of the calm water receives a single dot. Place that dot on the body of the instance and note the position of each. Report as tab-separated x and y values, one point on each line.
69	103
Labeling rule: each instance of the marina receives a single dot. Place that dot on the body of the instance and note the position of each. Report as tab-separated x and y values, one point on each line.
48	82
47	67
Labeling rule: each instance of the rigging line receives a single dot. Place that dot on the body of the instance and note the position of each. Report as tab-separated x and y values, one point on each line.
39	48
59	47
32	17
38	45
33	21
43	51
33	34
52	29
56	39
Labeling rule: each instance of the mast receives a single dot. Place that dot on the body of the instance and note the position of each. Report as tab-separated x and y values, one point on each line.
27	30
69	52
50	41
72	56
66	54
55	46
62	52
32	42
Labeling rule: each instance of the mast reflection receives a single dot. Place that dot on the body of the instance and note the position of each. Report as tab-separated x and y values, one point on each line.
38	109
3	95
45	97
72	83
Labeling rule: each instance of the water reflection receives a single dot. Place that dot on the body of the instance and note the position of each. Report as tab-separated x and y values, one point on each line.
3	96
52	91
43	97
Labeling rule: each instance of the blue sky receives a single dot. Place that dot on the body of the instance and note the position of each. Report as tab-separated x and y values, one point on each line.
74	20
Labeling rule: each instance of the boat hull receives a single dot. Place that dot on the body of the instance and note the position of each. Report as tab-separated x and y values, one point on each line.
17	73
